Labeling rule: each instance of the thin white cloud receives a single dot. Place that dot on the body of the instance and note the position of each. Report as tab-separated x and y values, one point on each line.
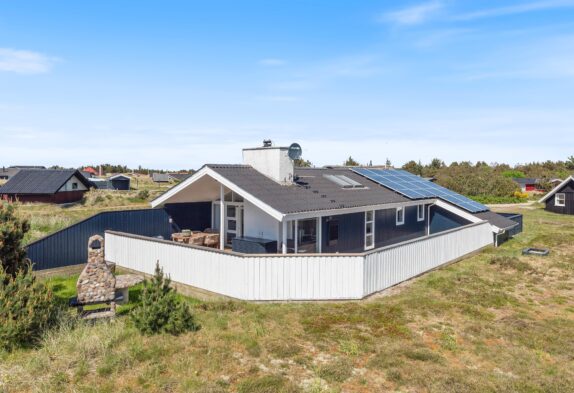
272	62
280	98
515	9
25	62
413	15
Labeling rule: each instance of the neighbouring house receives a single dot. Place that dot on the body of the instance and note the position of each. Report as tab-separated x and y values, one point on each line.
90	170
561	198
160	177
116	182
87	175
527	184
7	173
177	177
120	182
47	185
289	233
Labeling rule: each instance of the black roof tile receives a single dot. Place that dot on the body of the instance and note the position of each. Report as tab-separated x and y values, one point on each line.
46	181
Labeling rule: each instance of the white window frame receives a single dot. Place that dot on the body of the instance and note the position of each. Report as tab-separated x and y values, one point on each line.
372	234
401	209
563	198
420	209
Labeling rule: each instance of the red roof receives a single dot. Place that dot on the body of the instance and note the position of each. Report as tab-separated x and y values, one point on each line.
91	170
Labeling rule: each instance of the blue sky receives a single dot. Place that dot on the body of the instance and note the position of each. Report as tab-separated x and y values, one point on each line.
175	84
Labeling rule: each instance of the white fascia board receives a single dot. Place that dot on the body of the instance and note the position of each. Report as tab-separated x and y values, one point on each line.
555	189
206	171
334	212
116	176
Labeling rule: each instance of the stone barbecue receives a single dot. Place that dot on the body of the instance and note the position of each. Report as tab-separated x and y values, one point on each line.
97	282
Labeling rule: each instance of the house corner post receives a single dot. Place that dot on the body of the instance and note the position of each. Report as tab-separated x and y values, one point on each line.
221	218
284	236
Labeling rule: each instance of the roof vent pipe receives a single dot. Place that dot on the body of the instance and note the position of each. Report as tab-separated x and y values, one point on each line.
267	143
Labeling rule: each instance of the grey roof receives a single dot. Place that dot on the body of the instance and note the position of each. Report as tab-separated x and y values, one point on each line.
496	219
525	180
87	175
311	192
160	177
180	176
47	181
7	173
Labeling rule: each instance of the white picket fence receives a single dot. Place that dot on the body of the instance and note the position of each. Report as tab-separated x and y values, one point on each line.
295	276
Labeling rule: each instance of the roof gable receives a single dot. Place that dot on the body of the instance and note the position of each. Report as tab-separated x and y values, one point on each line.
556	189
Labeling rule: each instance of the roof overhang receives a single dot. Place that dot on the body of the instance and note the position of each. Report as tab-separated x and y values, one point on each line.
202	177
555	189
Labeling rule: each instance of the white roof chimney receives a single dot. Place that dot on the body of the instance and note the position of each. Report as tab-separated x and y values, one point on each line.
273	162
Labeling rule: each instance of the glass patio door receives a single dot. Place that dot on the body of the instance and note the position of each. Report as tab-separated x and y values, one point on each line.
233	221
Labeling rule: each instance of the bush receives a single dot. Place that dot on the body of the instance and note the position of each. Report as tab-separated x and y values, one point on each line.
27	309
12	232
160	310
143	194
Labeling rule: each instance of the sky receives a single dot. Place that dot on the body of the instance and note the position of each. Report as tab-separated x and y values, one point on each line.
177	84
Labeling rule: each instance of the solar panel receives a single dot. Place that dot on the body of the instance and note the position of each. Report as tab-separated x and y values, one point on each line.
415	187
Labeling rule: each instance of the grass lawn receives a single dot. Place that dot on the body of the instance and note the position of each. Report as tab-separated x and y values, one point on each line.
497	321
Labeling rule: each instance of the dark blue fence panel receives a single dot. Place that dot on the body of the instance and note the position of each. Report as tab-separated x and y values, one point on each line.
516	218
70	245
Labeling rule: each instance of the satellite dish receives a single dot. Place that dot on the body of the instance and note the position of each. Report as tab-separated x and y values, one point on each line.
295	151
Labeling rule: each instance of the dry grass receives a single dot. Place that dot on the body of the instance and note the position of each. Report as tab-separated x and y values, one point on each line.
498	321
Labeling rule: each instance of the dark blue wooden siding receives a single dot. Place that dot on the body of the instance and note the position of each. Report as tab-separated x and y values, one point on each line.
120	184
352	230
351	233
388	232
69	245
194	216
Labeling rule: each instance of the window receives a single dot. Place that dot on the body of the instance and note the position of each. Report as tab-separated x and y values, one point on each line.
560	199
400	215
333	233
420	212
369	229
344	181
74	186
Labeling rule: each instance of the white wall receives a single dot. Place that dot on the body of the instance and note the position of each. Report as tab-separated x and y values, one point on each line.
68	185
273	162
257	223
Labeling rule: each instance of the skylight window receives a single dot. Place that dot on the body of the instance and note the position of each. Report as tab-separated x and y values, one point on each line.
344	181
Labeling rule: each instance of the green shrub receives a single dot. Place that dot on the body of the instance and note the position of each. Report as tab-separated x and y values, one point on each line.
12	232
143	194
27	309
99	199
160	310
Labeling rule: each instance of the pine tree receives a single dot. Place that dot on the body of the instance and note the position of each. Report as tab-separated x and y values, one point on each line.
27	309
12	232
350	162
161	311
